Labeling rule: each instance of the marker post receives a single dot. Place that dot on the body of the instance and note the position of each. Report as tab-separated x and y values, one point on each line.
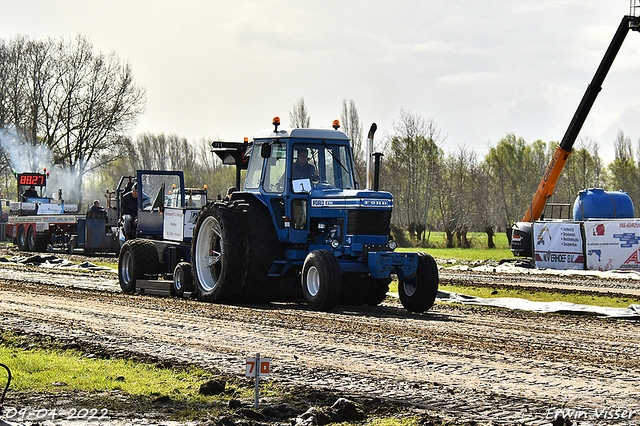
257	375
257	367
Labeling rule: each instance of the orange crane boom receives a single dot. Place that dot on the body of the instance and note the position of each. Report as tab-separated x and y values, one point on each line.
550	177
521	241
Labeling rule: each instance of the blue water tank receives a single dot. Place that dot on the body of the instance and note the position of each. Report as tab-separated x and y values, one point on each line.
596	203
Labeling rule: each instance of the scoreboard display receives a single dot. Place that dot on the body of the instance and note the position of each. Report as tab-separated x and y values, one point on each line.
36	179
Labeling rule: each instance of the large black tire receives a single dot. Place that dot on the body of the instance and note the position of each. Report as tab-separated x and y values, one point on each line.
22	238
264	248
361	289
377	289
31	239
35	243
137	258
321	280
219	253
182	279
418	293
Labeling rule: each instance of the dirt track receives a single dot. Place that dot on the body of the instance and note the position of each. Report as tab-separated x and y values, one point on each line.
462	363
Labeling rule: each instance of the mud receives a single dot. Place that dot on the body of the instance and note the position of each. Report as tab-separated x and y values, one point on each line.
464	365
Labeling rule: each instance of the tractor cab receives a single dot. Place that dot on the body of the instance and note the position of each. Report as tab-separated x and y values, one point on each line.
32	186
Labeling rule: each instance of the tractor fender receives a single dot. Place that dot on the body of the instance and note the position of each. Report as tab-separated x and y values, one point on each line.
249	197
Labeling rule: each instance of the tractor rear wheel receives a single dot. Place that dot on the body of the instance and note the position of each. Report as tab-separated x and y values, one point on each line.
219	253
363	289
377	290
137	258
264	248
418	294
321	280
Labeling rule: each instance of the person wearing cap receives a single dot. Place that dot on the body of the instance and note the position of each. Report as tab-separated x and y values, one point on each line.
130	211
31	192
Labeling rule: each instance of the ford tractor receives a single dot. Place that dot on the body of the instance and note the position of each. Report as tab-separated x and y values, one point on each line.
302	227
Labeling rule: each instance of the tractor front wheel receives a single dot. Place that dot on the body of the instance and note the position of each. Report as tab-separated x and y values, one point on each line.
418	294
321	280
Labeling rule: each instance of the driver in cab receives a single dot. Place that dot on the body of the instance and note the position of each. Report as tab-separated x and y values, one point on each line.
302	169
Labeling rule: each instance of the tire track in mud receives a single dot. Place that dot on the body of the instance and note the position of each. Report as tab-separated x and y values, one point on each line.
471	363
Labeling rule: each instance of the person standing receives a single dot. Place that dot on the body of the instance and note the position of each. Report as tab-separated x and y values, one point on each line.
130	211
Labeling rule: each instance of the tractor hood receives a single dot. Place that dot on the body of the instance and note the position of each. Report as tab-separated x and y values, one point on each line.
354	198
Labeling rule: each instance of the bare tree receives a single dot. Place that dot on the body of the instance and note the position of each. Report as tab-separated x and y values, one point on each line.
624	171
62	96
414	159
456	195
299	118
485	214
353	129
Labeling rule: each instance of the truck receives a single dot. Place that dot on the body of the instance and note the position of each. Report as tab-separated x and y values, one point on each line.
300	228
521	236
37	222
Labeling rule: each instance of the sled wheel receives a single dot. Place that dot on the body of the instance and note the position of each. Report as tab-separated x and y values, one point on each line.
137	258
22	238
182	280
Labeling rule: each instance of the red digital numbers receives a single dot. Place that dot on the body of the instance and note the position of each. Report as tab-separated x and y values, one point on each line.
31	179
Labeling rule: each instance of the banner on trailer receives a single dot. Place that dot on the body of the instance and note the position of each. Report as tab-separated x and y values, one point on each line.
558	245
612	244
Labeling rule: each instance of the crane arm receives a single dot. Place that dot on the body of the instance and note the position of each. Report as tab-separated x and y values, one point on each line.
551	175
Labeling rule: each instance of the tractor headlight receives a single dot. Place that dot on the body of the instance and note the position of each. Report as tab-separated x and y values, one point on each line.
392	245
335	244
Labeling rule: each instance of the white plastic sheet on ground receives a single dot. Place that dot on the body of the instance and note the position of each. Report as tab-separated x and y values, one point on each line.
632	312
512	269
50	261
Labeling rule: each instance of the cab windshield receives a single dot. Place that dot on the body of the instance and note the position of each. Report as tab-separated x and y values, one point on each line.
325	165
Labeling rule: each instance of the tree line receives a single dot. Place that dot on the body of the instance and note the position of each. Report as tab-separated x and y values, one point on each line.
65	107
459	192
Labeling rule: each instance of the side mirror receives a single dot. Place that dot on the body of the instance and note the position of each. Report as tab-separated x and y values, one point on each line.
265	150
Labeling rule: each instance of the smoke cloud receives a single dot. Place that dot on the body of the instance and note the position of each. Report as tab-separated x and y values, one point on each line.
24	157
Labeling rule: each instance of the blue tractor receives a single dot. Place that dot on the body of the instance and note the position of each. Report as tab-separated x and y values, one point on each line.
302	227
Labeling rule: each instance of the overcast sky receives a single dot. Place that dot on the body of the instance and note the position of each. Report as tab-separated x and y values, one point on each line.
480	69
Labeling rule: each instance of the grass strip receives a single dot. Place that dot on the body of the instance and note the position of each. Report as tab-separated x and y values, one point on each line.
622	301
121	385
49	377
